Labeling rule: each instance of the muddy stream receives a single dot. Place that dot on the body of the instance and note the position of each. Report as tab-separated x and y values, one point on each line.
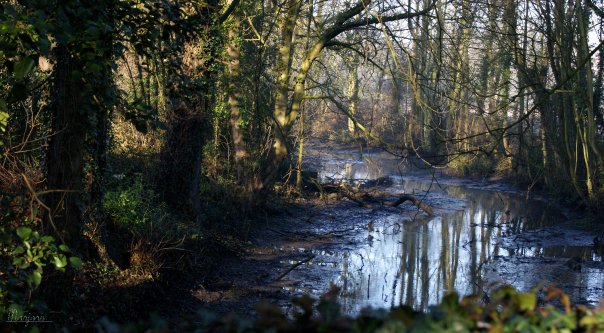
482	233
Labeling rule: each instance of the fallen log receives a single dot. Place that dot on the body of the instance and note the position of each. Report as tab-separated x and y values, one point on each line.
367	200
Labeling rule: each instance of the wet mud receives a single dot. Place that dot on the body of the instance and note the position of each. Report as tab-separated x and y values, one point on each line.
482	233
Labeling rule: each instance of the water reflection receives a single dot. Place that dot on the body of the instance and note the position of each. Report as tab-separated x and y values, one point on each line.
415	262
367	166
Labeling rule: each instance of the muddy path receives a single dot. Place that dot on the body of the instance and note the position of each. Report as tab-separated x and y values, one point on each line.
482	233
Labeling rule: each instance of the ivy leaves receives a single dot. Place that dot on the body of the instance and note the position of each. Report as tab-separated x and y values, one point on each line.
18	91
22	45
33	252
28	253
37	251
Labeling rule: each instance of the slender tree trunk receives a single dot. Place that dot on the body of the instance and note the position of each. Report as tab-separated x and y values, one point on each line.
234	97
353	96
299	178
587	104
599	82
520	65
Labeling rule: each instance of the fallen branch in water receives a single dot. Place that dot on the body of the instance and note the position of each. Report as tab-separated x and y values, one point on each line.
294	267
366	199
407	197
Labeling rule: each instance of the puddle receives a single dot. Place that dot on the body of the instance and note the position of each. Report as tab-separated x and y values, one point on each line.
481	233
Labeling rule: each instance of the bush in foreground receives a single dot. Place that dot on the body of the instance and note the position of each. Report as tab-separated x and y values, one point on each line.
505	310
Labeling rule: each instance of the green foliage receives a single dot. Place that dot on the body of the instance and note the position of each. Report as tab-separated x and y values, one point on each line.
136	208
473	165
22	45
25	253
3	120
143	116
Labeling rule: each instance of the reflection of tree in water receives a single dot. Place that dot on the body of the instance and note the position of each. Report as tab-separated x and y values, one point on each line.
417	262
363	168
438	255
348	172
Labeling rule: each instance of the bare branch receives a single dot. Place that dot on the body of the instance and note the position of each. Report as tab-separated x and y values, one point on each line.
224	16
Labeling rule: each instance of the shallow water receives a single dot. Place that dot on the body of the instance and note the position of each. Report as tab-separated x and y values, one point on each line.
481	233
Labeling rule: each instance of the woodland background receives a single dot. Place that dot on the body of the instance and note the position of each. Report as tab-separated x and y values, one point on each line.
130	127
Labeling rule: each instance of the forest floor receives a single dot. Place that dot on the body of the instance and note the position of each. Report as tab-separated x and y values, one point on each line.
276	265
307	242
303	248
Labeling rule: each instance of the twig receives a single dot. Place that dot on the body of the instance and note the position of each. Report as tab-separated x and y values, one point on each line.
294	266
175	249
342	230
34	195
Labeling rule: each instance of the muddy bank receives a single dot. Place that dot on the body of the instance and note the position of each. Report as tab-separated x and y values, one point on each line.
482	232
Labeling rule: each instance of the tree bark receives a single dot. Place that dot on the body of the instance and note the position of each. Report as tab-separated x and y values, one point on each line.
234	97
180	171
65	155
189	121
353	96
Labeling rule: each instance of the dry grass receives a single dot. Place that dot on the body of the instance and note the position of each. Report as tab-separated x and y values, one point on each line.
129	141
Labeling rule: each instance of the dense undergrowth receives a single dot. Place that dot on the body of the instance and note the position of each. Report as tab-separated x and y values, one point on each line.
27	254
137	253
104	297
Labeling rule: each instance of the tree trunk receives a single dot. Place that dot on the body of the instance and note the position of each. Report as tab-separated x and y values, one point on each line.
65	156
180	170
234	97
299	175
353	96
189	121
287	25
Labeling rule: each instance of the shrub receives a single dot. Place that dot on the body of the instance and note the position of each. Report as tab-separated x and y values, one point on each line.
136	208
473	165
507	310
142	228
25	253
